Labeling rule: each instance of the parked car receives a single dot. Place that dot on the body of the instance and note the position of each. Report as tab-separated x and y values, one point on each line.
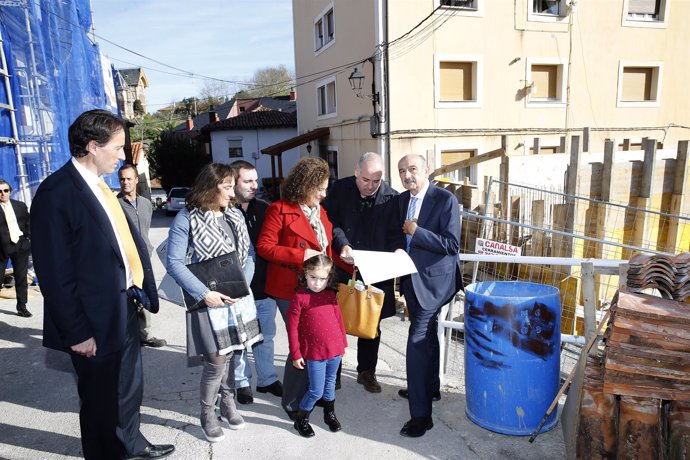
158	198
176	200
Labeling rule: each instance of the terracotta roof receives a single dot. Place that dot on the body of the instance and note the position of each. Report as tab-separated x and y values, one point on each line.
264	119
137	152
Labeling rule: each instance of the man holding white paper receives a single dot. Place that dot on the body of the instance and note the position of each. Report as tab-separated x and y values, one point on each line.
359	208
430	222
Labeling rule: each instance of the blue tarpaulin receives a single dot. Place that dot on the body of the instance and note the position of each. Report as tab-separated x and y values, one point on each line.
55	75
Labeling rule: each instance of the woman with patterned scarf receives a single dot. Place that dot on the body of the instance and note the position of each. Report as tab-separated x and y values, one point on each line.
210	226
295	228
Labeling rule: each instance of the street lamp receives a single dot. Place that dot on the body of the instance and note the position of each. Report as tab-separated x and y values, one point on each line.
356	79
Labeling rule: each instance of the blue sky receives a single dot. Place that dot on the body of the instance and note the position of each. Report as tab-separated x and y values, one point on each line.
225	39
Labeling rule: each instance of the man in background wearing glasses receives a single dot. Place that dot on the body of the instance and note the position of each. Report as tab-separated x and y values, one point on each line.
15	243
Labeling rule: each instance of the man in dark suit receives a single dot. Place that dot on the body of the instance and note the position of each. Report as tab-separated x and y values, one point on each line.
95	271
430	221
15	243
359	209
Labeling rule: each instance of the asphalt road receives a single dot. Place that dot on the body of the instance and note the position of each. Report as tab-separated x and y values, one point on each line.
39	404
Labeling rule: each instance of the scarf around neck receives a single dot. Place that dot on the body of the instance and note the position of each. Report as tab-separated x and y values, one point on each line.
314	217
210	239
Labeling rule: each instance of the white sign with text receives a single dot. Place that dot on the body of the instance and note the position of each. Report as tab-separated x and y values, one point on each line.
495	248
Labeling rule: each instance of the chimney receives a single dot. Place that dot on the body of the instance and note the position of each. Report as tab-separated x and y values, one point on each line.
293	95
213	115
190	124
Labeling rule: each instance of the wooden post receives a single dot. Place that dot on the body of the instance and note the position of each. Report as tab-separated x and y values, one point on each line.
504	189
585	139
589	300
607	173
536	146
626	144
573	166
640	199
561	148
649	146
675	230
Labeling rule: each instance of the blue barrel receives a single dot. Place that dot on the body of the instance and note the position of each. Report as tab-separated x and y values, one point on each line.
512	344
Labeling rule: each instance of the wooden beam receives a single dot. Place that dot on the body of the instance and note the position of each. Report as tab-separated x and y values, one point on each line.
681	169
573	166
498	153
607	173
649	146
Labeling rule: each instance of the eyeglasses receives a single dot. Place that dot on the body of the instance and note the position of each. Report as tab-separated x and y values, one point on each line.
4	190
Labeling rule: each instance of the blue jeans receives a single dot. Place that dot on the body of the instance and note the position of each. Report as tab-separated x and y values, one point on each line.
321	382
263	351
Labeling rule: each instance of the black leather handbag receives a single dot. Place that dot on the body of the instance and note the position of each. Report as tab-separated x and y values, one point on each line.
222	274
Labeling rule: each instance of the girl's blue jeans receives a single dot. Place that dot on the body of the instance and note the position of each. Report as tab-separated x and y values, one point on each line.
321	382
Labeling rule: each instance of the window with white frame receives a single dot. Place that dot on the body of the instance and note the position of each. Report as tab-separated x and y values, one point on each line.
458	81
324	28
465	4
453	155
639	84
463	7
547	11
545	83
549	7
326	98
235	147
645	13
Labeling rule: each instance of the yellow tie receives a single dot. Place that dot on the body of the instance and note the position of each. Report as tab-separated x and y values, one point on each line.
12	224
125	234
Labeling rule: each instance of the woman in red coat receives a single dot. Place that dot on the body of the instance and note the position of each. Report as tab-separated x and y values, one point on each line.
295	228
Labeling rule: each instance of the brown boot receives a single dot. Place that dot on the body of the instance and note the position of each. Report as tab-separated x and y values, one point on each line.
368	379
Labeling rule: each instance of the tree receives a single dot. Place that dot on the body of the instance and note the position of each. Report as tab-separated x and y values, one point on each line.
213	94
270	81
176	159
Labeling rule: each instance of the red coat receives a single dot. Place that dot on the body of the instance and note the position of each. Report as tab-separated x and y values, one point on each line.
285	235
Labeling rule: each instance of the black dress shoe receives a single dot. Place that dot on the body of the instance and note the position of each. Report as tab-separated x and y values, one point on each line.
403	393
23	312
154	451
416	427
244	395
276	389
154	342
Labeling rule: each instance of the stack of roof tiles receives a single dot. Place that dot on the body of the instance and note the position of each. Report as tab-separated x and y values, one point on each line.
636	397
648	348
669	275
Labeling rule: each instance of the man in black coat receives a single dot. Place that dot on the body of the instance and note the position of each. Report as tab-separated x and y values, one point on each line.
15	243
253	209
94	270
358	208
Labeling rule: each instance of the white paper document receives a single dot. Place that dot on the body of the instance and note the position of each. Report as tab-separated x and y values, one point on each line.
376	266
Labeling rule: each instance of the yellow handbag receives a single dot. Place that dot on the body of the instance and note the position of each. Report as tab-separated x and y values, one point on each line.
361	307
